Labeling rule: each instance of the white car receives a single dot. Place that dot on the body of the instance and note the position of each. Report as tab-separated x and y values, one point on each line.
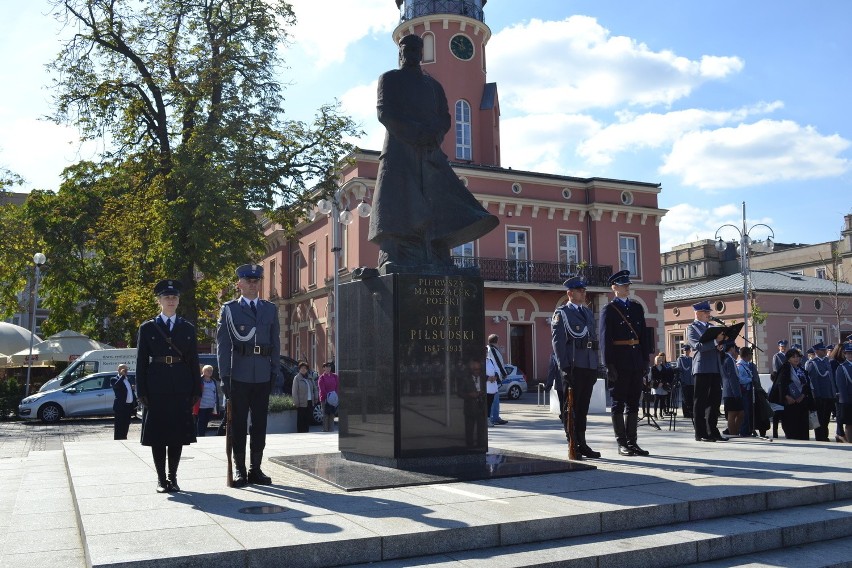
514	385
89	396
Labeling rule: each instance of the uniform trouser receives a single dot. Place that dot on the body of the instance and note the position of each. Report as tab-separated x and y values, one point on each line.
823	409
625	393
584	384
122	421
249	398
707	398
687	402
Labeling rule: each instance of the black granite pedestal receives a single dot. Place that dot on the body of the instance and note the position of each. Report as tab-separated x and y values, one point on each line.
410	348
412	389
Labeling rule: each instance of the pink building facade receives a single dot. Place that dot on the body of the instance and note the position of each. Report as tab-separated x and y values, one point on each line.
551	226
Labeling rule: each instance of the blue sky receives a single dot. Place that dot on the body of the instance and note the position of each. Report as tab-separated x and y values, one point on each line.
720	102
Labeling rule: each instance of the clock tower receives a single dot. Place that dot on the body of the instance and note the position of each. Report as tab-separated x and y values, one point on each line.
454	38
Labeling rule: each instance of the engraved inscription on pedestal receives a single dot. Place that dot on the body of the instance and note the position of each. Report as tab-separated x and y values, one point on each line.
407	370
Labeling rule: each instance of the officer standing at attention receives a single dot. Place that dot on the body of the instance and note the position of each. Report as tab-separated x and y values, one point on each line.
687	382
168	383
625	353
707	370
248	350
575	344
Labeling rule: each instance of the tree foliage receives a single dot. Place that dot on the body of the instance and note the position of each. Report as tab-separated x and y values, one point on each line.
18	243
188	98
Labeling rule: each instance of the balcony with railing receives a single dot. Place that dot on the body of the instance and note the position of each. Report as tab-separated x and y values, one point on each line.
534	271
411	9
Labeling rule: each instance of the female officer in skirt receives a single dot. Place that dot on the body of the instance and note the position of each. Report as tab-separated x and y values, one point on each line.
168	383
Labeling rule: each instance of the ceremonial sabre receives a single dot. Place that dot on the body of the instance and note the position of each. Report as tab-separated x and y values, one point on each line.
229	449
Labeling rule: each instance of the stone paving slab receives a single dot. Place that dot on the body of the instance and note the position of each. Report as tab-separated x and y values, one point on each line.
113	492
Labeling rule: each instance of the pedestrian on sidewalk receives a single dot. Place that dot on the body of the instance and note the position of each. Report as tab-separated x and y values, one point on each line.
124	406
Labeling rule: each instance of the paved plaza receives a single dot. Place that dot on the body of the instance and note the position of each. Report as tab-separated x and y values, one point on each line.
74	497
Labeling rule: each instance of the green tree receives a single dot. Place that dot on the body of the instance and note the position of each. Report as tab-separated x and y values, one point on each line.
18	243
187	95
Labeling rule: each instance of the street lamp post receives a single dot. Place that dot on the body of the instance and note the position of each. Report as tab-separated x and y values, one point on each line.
744	249
337	209
38	259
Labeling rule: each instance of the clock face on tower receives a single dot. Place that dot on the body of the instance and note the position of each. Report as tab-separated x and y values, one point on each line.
462	47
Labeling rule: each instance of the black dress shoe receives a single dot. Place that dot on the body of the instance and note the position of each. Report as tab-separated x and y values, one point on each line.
173	486
162	486
637	451
625	451
719	438
703	439
588	452
240	479
257	477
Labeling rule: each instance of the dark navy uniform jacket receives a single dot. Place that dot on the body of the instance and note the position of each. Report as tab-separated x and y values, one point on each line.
158	377
614	330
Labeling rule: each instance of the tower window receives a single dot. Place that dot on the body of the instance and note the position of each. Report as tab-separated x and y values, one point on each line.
464	150
428	48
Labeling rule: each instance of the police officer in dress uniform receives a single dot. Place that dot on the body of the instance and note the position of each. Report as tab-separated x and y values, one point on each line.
575	345
823	389
248	350
625	353
168	383
687	382
707	370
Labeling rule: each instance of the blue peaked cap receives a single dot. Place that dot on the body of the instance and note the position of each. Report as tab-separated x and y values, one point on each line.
250	271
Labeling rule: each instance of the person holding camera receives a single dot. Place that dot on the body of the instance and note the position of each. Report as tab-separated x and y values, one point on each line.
575	344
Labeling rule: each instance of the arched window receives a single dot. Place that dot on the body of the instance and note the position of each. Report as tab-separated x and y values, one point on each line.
428	48
464	150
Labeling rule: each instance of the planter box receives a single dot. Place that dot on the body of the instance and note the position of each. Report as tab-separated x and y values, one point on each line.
281	422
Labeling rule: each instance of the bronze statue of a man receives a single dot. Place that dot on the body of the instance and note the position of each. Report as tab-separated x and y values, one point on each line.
421	209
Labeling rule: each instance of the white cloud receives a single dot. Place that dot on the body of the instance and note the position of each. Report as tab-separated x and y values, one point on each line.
654	130
360	104
576	64
686	223
38	150
752	154
325	30
544	142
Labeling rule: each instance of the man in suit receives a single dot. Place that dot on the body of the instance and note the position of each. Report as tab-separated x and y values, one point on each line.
575	344
625	350
687	382
248	350
124	404
707	370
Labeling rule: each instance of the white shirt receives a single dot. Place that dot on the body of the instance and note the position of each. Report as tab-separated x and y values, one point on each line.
169	321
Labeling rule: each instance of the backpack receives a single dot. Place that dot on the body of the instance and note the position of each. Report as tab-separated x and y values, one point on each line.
332	399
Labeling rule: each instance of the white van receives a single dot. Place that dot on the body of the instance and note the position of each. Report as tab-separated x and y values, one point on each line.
101	360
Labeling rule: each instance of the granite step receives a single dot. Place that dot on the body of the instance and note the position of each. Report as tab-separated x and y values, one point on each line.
40	525
835	553
680	544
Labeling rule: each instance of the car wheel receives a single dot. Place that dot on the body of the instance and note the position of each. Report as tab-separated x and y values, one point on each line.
318	413
515	392
50	413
